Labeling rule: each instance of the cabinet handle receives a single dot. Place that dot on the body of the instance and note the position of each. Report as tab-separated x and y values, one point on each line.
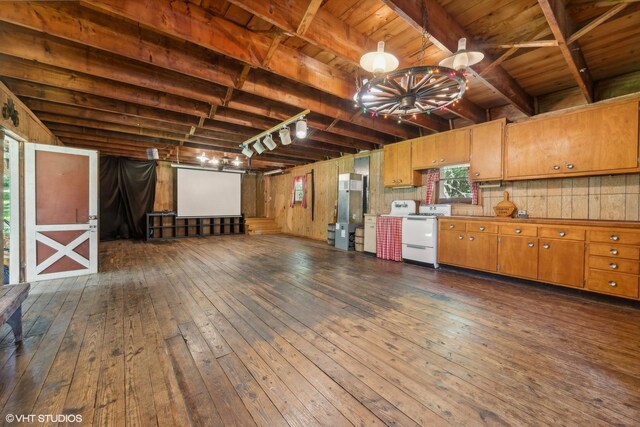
562	234
614	237
471	238
441	160
477	174
460	237
556	167
546	246
518	230
530	244
451	226
613	265
613	252
613	284
482	228
569	165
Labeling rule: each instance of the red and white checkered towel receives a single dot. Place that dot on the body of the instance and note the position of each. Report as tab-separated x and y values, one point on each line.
389	238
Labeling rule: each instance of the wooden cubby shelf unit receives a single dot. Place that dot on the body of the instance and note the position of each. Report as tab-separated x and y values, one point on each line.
169	226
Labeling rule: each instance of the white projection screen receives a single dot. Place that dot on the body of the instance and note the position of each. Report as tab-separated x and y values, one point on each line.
208	193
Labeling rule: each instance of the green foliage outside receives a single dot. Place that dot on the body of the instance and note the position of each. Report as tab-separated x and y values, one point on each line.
454	182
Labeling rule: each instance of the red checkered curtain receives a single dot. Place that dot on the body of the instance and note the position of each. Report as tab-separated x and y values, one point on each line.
389	238
474	190
432	177
299	185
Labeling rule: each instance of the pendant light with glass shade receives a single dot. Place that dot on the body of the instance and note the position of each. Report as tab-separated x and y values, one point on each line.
379	62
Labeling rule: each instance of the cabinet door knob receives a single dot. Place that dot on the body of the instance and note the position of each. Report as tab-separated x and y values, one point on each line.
482	228
569	165
613	252
613	284
613	265
441	160
399	181
477	174
451	226
562	234
556	167
460	237
471	238
433	161
546	246
614	237
518	230
530	244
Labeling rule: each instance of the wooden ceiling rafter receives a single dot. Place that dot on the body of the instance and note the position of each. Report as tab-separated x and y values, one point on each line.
309	15
597	21
444	32
329	33
562	27
71	22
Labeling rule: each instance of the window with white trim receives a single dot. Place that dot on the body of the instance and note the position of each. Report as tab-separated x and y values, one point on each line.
454	185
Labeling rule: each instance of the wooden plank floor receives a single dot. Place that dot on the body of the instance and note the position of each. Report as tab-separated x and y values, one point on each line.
277	331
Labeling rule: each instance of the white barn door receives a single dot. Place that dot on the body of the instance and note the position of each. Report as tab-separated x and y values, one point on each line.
61	211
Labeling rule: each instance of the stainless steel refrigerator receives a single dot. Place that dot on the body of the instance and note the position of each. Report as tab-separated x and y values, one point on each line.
350	190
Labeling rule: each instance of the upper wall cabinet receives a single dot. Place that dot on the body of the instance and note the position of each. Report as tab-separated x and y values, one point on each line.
486	151
598	140
397	166
447	148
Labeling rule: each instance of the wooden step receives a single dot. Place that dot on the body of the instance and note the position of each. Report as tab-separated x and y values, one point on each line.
261	226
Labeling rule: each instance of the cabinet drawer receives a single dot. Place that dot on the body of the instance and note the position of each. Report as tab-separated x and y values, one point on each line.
613	283
562	233
370	219
614	251
452	225
481	227
615	236
614	264
519	230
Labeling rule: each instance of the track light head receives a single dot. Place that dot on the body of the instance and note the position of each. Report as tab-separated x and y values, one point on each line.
258	147
301	128
285	135
247	151
269	142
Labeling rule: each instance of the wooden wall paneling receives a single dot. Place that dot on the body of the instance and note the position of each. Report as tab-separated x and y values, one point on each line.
165	197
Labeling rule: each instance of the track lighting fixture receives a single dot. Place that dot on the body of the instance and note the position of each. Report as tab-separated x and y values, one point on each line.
269	142
284	132
301	128
258	147
247	151
237	162
285	135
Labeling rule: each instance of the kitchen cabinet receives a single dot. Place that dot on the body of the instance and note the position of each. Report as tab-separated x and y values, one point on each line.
597	140
486	151
442	149
518	256
397	166
561	262
580	254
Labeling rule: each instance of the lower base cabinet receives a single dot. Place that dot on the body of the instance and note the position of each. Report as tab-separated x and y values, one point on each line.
561	262
518	256
594	257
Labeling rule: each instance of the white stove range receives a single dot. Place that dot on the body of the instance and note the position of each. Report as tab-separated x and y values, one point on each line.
419	229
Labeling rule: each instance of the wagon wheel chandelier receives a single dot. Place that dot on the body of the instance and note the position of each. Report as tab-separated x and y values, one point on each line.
414	90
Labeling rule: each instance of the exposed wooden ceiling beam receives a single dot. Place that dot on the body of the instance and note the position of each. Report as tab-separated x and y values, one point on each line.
599	20
562	27
72	22
529	44
329	33
193	23
309	14
445	32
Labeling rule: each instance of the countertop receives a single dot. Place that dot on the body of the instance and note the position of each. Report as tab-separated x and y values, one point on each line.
550	221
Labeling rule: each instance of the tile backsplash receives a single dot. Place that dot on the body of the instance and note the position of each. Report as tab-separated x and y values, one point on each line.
612	197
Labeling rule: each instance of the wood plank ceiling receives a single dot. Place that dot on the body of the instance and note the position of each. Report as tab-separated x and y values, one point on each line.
205	75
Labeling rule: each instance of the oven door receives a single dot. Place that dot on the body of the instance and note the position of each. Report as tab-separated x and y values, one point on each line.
419	230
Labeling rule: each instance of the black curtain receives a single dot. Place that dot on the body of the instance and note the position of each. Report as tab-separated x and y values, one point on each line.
127	193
